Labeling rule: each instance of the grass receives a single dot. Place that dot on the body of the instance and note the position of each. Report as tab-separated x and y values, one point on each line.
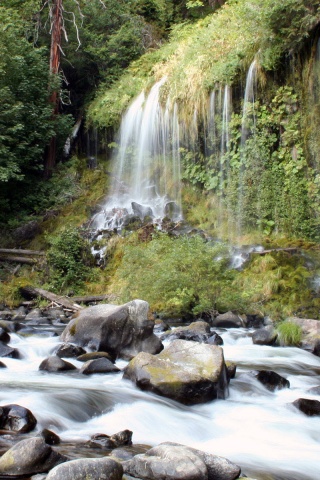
289	334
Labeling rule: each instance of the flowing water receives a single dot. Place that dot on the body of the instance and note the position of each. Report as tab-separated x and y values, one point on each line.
259	430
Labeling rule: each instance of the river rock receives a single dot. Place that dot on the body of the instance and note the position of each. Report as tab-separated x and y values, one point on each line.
29	457
6	351
265	336
188	372
272	380
50	437
2	365
316	348
307	406
119	439
4	336
106	468
197	332
55	364
122	331
310	333
16	418
228	320
160	326
68	350
231	369
85	357
98	365
171	461
171	210
141	211
314	390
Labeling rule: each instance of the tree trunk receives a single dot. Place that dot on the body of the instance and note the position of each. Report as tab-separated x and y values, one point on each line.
55	55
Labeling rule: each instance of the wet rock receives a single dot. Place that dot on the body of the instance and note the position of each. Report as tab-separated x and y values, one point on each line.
272	380
141	211
56	315
4	336
19	314
6	351
316	348
314	390
197	332
307	406
123	331
228	320
101	440
68	350
50	437
6	315
132	221
188	372
17	419
265	336
160	326
171	210
106	468
2	365
56	364
231	369
27	231
28	457
98	365
85	357
171	461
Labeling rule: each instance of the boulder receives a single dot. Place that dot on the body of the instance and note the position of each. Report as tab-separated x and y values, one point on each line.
2	365
29	457
50	437
141	211
85	357
231	369
307	406
123	331
316	348
188	372
6	351
314	390
67	350
197	332
16	418
171	210
272	380
105	468
228	320
171	461
98	365
101	440
4	336
265	336
310	333
55	364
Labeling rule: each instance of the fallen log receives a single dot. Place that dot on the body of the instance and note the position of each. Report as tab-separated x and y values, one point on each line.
33	292
90	298
18	251
10	258
290	250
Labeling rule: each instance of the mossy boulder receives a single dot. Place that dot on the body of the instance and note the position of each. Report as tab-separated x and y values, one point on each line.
123	331
188	372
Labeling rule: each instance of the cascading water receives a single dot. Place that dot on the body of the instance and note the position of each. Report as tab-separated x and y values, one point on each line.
257	429
146	178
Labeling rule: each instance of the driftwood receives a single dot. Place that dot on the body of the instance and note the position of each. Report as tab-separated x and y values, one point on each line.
33	292
90	298
18	251
10	258
290	250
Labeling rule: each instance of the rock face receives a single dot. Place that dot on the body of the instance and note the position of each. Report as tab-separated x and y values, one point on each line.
197	332
123	330
272	380
16	418
106	468
188	372
171	461
29	456
265	336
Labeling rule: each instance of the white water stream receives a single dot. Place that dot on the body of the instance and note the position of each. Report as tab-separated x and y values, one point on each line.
259	430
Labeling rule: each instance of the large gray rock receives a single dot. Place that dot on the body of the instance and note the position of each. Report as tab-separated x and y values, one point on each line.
197	332
123	330
98	365
171	461
16	418
265	336
106	468
188	372
228	320
141	211
56	364
28	457
272	380
7	351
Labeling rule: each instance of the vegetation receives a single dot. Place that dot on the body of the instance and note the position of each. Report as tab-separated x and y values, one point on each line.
289	334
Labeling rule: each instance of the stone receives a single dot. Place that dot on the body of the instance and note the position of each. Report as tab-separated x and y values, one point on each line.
98	365
228	320
314	390
123	331
29	457
188	372
307	406
197	332
6	351
4	336
101	440
50	437
265	336
67	350
171	210
272	380
55	364
105	468
17	419
141	211
172	461
2	365
316	348
85	357
231	369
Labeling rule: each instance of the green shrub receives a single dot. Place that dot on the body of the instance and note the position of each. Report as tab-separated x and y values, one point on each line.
289	334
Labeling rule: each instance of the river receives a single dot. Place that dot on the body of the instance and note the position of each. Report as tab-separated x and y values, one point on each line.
259	430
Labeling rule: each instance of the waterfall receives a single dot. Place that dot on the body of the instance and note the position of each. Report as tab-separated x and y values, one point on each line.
247	129
146	175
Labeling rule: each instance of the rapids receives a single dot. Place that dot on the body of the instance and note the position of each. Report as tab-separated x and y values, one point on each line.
253	427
